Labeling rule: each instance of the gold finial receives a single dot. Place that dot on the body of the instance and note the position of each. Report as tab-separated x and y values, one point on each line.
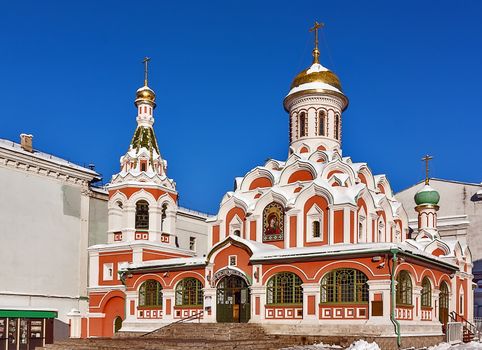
316	52
426	159
145	61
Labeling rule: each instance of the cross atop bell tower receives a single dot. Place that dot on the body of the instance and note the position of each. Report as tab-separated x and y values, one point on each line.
426	159
316	51
146	69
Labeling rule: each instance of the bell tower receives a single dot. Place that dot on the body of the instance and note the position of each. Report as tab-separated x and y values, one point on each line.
142	199
427	199
315	103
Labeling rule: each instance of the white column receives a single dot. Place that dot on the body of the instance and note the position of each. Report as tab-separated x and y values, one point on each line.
130	222
435	305
131	296
168	294
379	287
331	225
260	292
313	290
84	240
346	225
417	303
75	323
209	302
94	268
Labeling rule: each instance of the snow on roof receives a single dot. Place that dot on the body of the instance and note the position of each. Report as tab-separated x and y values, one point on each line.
340	249
174	262
314	85
16	147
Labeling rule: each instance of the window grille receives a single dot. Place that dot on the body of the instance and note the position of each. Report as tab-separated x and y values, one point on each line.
404	289
344	286
316	229
444	296
426	293
302	124
192	243
189	292
321	124
337	127
150	293
142	215
285	288
163	216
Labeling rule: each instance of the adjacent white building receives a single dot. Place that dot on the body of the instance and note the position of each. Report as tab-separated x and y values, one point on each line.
459	218
49	215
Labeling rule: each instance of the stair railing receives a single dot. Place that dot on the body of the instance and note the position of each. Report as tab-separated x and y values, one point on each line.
469	328
198	315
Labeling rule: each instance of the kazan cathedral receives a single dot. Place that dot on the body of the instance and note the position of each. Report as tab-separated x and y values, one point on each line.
314	244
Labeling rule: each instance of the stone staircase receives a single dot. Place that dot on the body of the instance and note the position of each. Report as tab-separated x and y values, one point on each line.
198	336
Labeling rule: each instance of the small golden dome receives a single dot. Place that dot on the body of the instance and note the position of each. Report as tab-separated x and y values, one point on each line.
145	94
316	73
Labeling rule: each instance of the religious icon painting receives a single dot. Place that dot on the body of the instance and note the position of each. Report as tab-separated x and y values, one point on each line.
273	222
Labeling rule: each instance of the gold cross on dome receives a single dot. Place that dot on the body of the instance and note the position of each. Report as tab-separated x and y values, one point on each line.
146	61
316	52
426	159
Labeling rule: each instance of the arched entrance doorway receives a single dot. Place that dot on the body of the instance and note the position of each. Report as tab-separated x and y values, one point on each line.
233	300
443	313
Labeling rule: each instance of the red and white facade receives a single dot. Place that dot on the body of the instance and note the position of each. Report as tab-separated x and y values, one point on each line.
314	243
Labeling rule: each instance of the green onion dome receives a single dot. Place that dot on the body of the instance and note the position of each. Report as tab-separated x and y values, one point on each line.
427	195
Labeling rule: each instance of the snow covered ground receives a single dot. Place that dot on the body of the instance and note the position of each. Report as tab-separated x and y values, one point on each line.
363	345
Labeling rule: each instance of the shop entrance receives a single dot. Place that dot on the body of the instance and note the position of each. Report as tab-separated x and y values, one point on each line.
233	300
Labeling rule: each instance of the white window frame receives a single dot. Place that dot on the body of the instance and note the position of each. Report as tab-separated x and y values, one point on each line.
235	260
236	224
108	272
381	229
314	214
193	239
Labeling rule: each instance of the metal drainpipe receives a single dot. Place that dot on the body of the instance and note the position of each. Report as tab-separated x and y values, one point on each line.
393	299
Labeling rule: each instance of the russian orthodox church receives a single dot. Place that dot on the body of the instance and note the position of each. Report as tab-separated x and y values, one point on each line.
313	244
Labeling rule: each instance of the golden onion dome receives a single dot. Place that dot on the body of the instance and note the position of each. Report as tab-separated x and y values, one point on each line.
145	95
316	74
316	79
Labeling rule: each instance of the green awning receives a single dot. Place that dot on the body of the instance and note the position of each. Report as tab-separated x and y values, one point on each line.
28	313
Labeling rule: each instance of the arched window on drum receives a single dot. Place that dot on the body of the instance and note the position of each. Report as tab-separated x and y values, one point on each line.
302	124
321	123
344	286
284	288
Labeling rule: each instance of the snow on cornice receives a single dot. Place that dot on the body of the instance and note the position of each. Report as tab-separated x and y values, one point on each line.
48	160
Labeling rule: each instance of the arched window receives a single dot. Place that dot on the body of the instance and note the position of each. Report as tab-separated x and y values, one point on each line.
426	293
404	288
344	286
237	233
302	124
337	127
284	288
163	216
321	123
189	292
381	228
444	303
142	215
360	231
150	293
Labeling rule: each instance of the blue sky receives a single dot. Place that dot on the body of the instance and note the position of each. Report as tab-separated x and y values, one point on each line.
412	71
